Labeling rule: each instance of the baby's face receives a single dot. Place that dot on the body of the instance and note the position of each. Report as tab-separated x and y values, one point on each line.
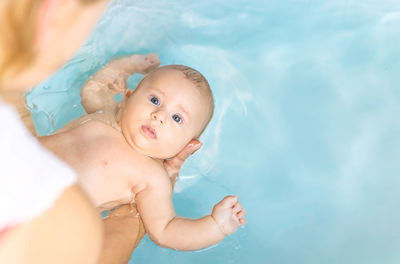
162	115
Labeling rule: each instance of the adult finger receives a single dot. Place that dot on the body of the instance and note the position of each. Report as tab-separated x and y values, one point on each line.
174	164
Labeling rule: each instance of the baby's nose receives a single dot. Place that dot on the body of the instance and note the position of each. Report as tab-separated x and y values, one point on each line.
158	116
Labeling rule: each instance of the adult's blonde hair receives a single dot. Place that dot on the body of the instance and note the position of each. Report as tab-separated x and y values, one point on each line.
18	27
18	20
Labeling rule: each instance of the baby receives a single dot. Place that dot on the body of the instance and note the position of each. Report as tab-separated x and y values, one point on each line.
118	149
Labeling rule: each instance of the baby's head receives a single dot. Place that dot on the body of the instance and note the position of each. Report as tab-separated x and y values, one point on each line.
171	106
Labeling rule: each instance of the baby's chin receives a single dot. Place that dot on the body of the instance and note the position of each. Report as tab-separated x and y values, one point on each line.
151	153
159	156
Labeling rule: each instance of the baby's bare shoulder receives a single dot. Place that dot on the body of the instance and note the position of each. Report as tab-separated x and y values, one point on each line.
83	123
91	124
91	128
152	174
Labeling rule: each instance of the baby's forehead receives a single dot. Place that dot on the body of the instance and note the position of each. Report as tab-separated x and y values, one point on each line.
188	79
165	77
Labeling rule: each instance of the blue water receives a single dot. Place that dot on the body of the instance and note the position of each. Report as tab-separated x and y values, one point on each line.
306	129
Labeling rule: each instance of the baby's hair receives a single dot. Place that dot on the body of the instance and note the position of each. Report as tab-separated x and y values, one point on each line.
191	74
196	78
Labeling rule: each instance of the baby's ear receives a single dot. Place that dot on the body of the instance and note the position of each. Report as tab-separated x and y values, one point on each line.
128	92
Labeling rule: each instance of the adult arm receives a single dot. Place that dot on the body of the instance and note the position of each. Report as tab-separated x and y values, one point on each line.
68	232
123	230
43	220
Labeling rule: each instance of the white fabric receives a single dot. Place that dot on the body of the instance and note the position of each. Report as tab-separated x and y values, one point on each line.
31	178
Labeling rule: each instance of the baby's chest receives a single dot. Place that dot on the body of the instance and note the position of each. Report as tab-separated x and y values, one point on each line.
105	172
103	157
109	161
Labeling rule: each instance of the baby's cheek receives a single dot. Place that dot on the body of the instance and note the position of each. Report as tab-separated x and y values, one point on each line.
181	139
176	149
166	149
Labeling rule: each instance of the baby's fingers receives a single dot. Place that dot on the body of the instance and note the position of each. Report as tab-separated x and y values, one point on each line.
236	208
241	214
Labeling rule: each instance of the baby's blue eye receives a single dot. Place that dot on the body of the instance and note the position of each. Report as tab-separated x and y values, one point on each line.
177	119
154	100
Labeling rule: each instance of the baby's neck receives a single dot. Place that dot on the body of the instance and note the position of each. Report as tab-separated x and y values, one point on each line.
146	155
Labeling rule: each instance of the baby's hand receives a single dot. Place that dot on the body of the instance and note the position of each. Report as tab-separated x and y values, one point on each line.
229	214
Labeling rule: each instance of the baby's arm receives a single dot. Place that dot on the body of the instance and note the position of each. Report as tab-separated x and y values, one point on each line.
166	229
98	92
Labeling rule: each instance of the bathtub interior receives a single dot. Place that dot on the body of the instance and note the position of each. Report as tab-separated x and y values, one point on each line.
305	129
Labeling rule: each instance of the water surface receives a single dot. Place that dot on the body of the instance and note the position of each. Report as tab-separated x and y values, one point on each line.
306	128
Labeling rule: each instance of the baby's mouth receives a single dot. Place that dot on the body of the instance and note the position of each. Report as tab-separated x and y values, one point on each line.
149	131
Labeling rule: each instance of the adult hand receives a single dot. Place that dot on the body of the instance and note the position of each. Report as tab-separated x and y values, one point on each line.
173	165
123	230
